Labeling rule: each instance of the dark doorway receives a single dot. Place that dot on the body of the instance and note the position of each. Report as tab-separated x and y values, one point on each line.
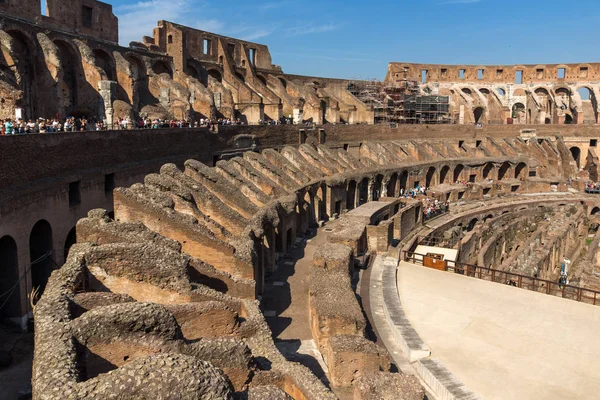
41	255
9	279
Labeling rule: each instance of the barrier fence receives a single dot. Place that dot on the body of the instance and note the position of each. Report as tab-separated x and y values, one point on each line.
576	293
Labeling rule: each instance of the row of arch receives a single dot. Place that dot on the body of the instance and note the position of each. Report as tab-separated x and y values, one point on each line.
28	72
41	264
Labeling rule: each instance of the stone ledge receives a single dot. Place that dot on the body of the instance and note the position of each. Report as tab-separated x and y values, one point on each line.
409	340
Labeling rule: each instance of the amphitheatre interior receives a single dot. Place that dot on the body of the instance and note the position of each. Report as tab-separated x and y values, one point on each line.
343	255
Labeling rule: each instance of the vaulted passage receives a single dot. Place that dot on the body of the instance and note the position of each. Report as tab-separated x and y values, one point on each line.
10	298
41	255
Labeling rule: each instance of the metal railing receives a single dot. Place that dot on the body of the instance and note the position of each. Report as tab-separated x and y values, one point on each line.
576	293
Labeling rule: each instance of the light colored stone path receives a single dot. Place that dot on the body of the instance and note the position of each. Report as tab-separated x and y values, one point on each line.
504	342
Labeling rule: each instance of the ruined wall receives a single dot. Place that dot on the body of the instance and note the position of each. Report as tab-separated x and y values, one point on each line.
519	94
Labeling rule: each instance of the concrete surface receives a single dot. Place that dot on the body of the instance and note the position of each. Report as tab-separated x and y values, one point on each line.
504	342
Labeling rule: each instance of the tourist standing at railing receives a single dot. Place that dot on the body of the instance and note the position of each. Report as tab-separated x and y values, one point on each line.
8	127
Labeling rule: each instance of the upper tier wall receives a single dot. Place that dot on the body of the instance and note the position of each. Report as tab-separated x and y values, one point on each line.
398	72
44	156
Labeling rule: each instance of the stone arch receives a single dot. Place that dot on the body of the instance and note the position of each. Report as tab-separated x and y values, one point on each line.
503	171
41	254
444	175
283	82
363	191
377	187
521	171
589	104
458	172
576	154
106	63
568	119
140	93
351	195
240	77
403	181
22	68
216	74
391	186
487	169
518	113
71	69
472	224
70	240
160	67
479	115
430	177
10	289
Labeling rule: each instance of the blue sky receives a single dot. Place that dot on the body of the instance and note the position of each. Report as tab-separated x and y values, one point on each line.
357	39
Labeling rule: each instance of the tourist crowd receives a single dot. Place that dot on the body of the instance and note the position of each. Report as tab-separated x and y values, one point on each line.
72	124
431	206
593	185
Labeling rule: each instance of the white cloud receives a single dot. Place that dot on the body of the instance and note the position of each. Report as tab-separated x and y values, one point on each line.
139	19
311	28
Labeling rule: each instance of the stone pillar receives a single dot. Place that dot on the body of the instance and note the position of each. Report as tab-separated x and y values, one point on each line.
108	91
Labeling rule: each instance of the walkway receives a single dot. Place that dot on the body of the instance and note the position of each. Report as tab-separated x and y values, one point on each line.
285	304
503	342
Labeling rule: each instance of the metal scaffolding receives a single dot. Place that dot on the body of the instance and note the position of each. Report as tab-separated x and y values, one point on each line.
401	103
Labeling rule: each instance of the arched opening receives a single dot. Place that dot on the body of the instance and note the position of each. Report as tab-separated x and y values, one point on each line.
576	153
487	169
262	79
430	177
403	181
141	95
41	255
321	201
9	279
584	93
547	121
216	75
502	172
501	92
240	77
478	114
488	217
106	62
589	105
472	224
520	171
350	195
519	115
467	91
458	172
568	119
376	189
363	191
70	64
70	241
595	210
324	111
161	67
391	186
444	175
22	71
283	82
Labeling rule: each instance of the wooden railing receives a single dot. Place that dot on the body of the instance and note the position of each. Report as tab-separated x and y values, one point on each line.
510	278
